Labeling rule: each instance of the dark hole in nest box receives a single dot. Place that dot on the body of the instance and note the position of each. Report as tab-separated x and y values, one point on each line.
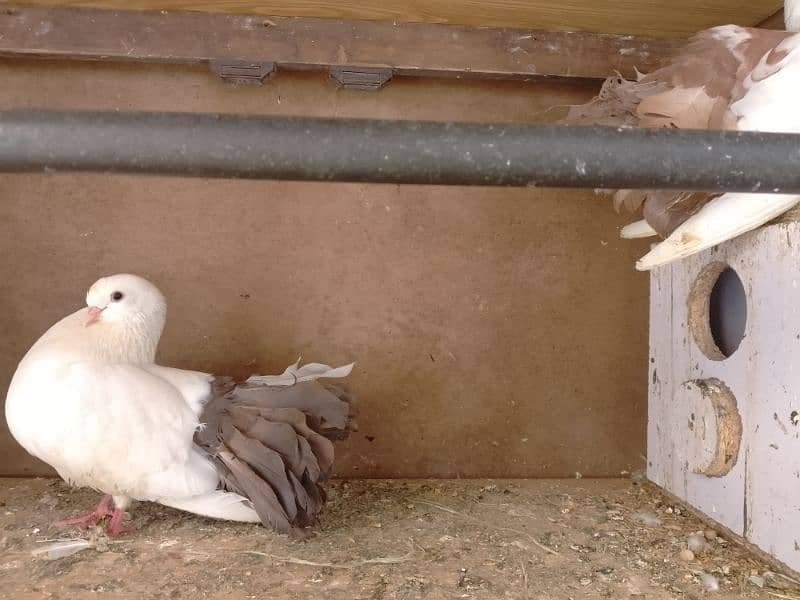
718	311
728	312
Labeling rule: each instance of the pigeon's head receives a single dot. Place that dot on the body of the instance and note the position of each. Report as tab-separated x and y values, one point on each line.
127	300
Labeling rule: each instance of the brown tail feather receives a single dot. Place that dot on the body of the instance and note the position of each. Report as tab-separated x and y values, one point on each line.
265	462
249	484
280	437
666	210
617	105
314	399
274	445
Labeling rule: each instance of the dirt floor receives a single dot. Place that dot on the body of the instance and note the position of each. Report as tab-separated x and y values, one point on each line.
390	539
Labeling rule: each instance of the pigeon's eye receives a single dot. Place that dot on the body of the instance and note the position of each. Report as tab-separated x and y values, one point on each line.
116	296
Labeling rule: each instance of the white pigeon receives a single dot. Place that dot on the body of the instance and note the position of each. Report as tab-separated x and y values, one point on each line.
724	78
89	400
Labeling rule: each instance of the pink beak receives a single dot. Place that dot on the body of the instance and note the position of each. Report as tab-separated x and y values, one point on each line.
94	315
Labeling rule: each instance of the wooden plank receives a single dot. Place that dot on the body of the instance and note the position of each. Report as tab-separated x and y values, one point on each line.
636	17
661	382
408	49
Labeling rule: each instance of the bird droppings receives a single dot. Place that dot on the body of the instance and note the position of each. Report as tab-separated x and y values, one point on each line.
647	518
437	539
696	542
709	582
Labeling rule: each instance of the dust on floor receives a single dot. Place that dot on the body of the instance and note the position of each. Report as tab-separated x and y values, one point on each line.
548	540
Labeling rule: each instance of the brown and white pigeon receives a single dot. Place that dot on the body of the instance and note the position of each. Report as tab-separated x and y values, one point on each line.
89	400
725	78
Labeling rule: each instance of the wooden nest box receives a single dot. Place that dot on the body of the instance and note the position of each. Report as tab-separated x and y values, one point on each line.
724	414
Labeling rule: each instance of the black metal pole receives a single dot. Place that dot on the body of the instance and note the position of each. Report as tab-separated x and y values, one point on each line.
406	152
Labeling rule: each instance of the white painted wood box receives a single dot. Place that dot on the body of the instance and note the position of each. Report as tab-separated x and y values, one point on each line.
724	433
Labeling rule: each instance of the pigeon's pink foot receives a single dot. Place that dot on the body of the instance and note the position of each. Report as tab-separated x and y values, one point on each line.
91	518
115	527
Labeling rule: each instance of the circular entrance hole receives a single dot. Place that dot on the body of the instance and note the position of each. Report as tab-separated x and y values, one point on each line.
718	311
713	433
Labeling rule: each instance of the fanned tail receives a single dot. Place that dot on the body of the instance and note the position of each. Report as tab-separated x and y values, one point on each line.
271	438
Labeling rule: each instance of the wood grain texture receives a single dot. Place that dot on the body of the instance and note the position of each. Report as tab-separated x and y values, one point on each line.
408	49
637	17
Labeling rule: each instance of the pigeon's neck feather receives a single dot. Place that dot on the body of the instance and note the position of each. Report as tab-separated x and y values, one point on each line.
129	342
132	342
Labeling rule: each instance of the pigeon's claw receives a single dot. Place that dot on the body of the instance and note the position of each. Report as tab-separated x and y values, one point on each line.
115	527
92	518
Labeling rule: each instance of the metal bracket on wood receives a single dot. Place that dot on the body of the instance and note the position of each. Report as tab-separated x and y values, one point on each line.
339	47
243	72
360	78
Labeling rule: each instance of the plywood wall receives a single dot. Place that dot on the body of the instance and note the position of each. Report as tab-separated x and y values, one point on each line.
497	332
639	17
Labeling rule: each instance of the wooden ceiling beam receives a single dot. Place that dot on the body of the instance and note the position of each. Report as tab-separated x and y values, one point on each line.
656	18
295	43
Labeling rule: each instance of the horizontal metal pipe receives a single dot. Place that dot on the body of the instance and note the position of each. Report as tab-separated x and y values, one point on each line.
407	152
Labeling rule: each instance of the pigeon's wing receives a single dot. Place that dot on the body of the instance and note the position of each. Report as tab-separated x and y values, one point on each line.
768	103
195	387
120	429
718	80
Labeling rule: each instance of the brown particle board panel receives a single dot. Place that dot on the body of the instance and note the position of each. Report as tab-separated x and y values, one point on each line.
497	332
636	17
